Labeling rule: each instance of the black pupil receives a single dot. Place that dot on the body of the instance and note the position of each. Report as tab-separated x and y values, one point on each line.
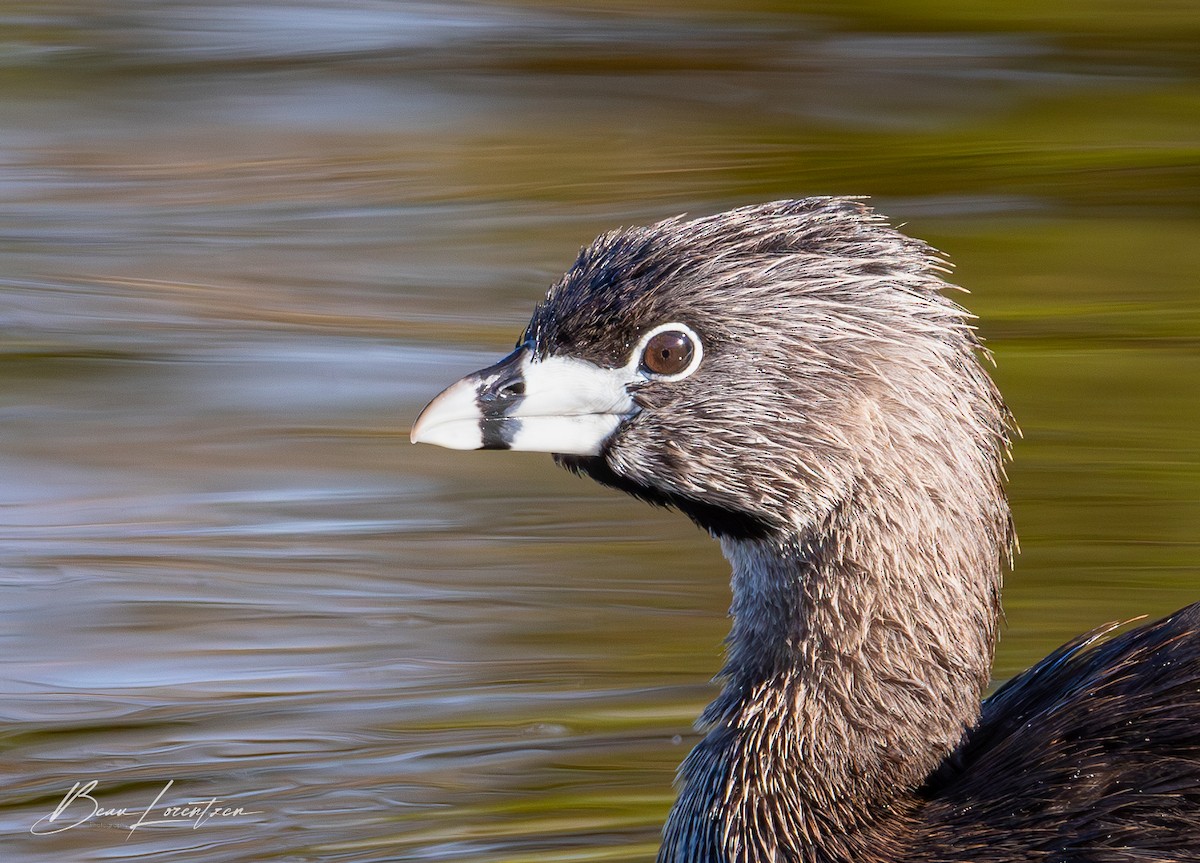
668	353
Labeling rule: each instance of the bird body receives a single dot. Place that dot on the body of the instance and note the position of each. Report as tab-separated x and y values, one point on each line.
793	378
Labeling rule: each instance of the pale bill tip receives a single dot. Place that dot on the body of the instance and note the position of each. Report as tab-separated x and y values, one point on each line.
452	420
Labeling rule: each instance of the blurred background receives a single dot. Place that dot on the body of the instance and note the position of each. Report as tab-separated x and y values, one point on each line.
242	243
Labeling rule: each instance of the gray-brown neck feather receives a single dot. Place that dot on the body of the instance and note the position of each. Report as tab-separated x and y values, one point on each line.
860	647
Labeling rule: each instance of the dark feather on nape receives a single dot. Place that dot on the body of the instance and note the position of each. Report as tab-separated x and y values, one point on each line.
719	521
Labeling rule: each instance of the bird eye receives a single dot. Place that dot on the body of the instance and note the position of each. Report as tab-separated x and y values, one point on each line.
668	353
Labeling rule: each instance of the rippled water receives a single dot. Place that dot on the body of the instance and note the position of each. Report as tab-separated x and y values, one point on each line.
243	243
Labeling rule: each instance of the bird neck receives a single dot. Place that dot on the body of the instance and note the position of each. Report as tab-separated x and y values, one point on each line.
858	654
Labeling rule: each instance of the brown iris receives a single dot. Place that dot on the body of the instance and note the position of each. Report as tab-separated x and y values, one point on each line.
668	353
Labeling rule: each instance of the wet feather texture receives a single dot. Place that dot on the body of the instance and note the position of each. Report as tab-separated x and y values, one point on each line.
842	440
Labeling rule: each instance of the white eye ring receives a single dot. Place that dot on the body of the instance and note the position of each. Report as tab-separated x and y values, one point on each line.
690	344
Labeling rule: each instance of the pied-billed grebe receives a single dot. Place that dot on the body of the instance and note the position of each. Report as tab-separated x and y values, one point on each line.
792	377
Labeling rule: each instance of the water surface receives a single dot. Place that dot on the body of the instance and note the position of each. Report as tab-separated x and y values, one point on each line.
243	243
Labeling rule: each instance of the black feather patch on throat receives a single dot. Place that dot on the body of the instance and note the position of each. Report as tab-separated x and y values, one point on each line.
721	522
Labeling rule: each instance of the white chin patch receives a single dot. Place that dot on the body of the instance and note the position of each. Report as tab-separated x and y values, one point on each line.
570	407
576	435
